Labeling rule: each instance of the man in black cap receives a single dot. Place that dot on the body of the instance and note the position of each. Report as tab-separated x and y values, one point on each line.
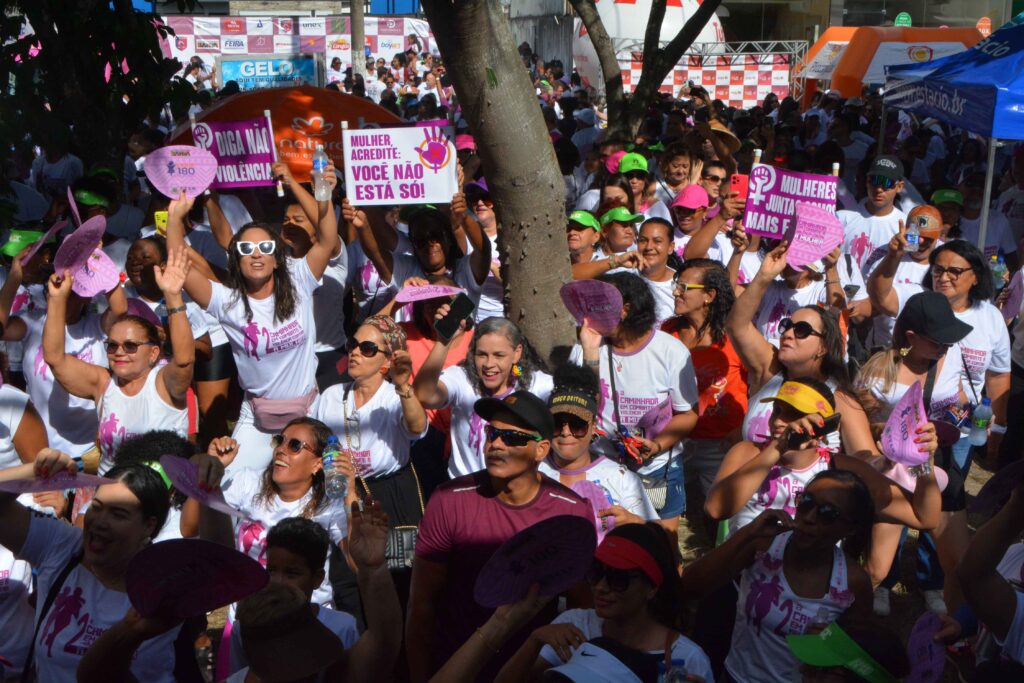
876	219
468	518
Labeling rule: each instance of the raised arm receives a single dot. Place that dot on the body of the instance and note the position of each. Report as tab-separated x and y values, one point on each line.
219	225
431	392
740	242
81	379
327	245
702	239
196	283
177	375
14	517
308	203
590	270
757	354
880	290
919	510
381	259
413	414
13	327
428	578
117	305
480	259
741	474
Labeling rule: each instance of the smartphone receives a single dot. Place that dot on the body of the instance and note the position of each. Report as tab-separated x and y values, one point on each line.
160	222
739	184
460	309
850	291
831	424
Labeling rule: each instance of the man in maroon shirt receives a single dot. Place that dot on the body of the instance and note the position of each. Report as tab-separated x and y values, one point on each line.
468	518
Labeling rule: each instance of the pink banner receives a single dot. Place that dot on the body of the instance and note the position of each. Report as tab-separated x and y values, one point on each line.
244	151
773	194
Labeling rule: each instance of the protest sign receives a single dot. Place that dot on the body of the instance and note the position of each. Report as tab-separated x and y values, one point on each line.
413	165
244	150
816	232
773	194
77	247
596	301
411	293
180	168
900	430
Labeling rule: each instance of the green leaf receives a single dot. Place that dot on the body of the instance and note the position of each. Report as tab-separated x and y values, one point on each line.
492	79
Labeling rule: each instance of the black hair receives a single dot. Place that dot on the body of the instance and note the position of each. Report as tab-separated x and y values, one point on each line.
96	185
572	377
833	365
666	605
669	228
620	181
431	224
715	163
528	363
858	544
148	486
637	295
146	448
714	276
304	538
284	290
983	289
158	241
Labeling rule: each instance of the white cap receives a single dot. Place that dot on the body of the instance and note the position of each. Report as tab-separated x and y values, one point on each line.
591	664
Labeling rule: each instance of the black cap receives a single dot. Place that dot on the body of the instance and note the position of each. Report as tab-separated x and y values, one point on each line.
887	166
526	407
929	314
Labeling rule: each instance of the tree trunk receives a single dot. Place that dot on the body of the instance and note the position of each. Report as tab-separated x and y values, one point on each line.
498	101
358	39
605	49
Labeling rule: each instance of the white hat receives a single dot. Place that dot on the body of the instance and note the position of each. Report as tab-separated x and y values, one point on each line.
592	664
586	116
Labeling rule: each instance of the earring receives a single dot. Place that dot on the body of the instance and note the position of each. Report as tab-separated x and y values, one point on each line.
517	370
905	351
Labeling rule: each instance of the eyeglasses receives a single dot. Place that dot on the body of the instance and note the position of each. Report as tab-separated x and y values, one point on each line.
636	175
129	346
368	349
512	438
292	445
882	182
953	273
801	329
713	178
684	287
827	513
618	580
265	247
578	427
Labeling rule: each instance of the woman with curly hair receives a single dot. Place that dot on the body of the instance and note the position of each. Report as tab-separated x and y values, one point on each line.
499	362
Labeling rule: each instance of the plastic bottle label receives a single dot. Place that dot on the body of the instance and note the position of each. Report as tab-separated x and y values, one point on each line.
320	164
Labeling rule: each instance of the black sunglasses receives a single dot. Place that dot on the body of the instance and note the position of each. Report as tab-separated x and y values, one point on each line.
636	175
882	182
512	438
801	329
578	427
292	445
368	349
618	580
827	513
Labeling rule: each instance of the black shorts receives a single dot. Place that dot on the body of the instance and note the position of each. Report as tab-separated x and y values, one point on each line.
220	366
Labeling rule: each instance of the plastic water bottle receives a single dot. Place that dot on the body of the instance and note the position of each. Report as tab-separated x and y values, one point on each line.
998	266
979	422
913	237
321	190
336	482
676	675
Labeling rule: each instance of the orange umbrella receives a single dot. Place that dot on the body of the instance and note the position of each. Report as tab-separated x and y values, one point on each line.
302	117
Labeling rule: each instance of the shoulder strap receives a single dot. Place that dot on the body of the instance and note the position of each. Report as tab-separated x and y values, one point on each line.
615	393
967	373
929	385
28	674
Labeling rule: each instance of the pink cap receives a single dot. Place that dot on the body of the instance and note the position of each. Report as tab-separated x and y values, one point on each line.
612	162
464	142
691	197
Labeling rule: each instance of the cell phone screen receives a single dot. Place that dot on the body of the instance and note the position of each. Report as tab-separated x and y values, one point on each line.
459	309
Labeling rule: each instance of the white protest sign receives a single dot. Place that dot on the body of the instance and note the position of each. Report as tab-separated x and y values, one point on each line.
414	165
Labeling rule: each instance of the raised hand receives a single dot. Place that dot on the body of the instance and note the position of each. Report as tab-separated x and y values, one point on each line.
210	470
590	339
368	534
50	461
774	261
351	215
739	238
458	208
179	208
401	368
331	175
898	243
281	172
59	285
171	278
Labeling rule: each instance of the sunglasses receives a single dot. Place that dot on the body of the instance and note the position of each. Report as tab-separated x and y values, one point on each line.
953	273
129	346
801	329
368	349
578	427
827	513
684	287
618	580
713	178
882	182
265	247
486	201
636	175
512	438
292	445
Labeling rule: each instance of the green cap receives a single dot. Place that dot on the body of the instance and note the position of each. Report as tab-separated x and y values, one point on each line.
833	647
621	214
943	196
407	211
87	198
632	162
657	147
585	218
19	240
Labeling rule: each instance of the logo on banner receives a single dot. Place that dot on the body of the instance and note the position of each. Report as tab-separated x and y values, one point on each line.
207	44
233	45
233	26
762	179
202	135
313	127
341	45
434	151
920	53
285	25
181	43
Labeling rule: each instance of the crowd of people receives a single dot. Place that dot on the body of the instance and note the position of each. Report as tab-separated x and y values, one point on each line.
733	413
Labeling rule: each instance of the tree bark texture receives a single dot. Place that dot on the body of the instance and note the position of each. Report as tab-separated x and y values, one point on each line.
614	94
358	39
497	99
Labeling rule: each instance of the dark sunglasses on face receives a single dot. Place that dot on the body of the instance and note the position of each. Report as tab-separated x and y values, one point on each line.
827	513
618	580
882	182
129	346
953	273
512	438
636	175
713	178
368	349
265	247
486	201
578	427
801	329
292	445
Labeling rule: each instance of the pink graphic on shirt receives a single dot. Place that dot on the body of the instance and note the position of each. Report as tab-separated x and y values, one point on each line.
40	364
476	432
757	428
599	500
772	486
776	315
66	607
844	597
251	537
251	342
860	247
110	433
20	299
762	596
366	275
606	393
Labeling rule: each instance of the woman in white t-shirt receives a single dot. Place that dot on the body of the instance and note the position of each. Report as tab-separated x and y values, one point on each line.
135	394
265	306
655	246
81	572
499	361
492	292
376	421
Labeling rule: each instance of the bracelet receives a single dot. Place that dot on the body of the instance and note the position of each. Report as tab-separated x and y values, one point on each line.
997	429
613	262
922	470
176	309
832	282
592	363
404	394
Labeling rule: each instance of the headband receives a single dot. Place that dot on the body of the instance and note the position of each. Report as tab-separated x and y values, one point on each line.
159	469
394	336
622	553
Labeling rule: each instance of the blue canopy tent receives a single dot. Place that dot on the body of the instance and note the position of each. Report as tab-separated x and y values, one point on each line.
980	90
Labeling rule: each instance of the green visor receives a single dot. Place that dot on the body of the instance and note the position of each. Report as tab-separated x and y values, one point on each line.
88	198
621	214
19	240
833	647
943	196
585	218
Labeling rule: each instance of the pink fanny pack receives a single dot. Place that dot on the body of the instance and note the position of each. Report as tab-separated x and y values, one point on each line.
270	415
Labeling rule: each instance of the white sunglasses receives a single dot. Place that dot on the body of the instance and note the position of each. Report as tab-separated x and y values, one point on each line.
266	247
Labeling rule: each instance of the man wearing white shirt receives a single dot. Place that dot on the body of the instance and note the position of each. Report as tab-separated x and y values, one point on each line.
877	219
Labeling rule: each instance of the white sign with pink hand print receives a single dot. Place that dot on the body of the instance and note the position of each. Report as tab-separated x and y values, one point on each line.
414	165
180	168
816	233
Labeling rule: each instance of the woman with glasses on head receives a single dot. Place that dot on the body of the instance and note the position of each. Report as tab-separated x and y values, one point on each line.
135	395
636	618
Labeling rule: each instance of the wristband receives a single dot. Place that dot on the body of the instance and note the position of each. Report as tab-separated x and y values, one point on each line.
997	429
592	363
921	470
176	309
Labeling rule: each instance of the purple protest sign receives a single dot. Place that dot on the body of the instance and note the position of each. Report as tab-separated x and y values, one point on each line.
180	168
411	293
1014	296
184	474
61	481
927	657
47	236
74	207
816	232
773	194
597	301
900	430
554	553
98	274
187	577
244	151
655	419
77	247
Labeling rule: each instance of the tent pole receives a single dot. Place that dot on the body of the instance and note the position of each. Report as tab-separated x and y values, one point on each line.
881	134
987	194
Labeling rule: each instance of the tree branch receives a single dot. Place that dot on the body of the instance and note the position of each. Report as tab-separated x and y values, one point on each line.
652	37
674	51
605	50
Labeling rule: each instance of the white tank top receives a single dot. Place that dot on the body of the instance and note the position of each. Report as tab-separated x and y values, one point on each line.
756	424
768	610
122	417
777	492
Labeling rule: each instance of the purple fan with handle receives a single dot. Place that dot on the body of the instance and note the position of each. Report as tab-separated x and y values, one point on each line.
654	420
184	474
61	481
927	657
